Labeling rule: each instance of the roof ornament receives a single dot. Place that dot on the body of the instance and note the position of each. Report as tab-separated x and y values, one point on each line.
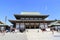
55	19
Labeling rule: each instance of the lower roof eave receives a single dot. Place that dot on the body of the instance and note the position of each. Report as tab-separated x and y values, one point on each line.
30	21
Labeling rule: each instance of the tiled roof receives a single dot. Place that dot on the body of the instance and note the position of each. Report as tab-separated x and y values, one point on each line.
54	23
1	22
30	13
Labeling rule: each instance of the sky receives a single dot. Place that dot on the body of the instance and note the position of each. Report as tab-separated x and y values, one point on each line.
10	7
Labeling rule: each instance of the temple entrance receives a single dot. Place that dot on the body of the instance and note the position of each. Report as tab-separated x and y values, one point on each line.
32	26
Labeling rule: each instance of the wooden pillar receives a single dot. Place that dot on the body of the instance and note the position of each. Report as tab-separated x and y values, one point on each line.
47	25
30	26
29	18
19	26
39	25
44	24
34	25
57	28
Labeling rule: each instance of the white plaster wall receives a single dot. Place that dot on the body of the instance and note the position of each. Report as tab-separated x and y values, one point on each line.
41	25
17	25
22	25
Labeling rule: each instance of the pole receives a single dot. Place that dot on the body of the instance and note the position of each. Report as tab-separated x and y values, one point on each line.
5	19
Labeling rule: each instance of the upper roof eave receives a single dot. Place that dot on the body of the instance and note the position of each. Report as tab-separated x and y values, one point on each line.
29	15
18	15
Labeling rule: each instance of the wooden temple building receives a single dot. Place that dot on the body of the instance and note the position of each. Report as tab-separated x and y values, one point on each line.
4	27
32	20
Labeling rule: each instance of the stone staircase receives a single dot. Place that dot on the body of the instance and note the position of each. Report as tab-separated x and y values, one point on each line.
13	36
29	34
36	34
56	35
